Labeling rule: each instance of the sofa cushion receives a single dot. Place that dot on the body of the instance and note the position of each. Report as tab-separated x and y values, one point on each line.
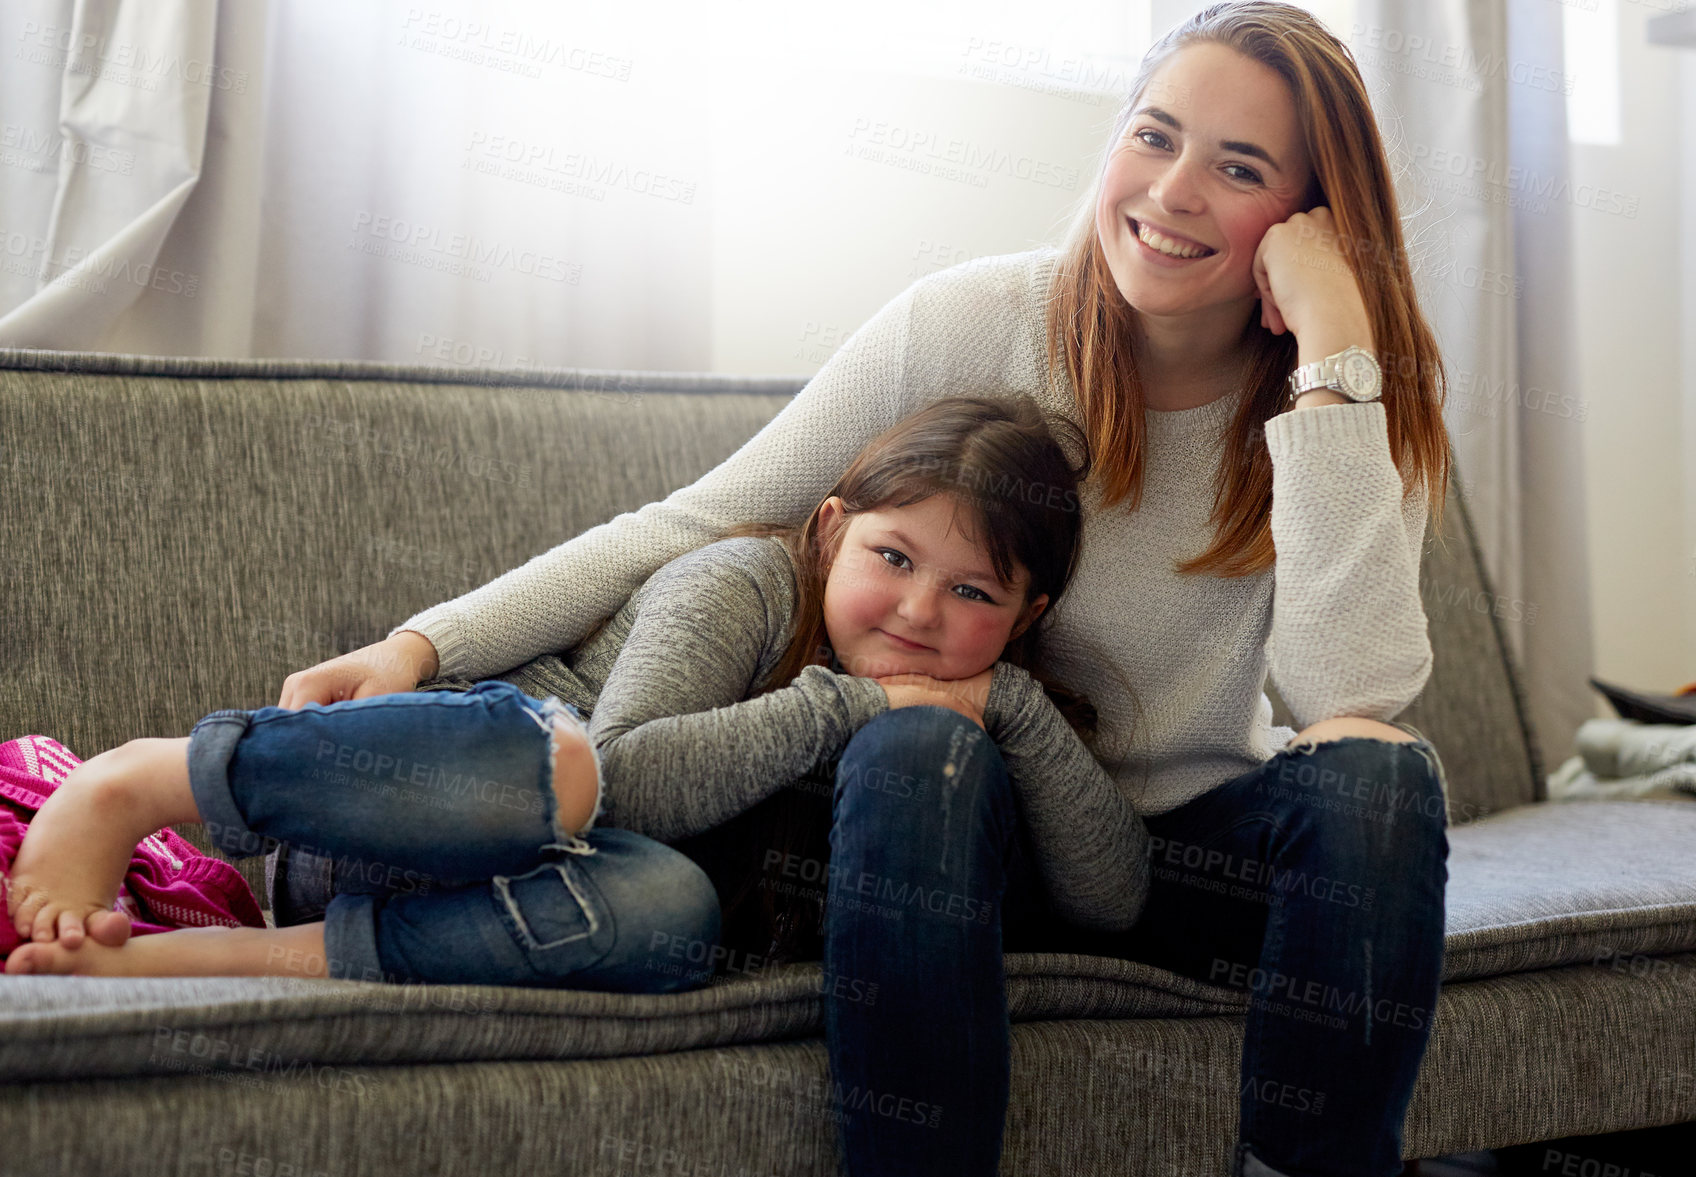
59	1027
1567	882
1102	1096
1529	888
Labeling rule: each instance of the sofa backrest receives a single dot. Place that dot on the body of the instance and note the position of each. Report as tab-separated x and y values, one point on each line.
182	534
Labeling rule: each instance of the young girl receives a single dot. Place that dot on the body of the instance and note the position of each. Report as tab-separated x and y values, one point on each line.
462	842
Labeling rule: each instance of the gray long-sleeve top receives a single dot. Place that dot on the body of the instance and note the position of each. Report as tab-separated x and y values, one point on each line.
666	686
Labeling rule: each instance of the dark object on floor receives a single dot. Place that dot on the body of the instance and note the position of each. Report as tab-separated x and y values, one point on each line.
1680	708
1668	1151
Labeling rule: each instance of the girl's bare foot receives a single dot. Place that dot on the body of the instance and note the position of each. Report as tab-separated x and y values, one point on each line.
110	927
187	952
72	859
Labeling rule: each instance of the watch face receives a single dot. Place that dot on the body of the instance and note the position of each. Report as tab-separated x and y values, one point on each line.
1360	375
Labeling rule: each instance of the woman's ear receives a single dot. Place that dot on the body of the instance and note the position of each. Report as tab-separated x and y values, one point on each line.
1031	612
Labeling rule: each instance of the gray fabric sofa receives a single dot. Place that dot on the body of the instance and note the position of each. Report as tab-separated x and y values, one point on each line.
180	535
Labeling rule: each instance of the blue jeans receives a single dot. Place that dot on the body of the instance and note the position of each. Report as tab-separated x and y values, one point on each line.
438	810
1314	883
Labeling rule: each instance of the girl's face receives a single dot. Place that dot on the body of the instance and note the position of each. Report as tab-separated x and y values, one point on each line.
909	593
1213	156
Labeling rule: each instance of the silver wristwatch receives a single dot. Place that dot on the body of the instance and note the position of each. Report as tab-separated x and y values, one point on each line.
1354	372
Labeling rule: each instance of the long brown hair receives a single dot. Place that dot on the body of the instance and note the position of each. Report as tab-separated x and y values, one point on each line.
1089	322
998	458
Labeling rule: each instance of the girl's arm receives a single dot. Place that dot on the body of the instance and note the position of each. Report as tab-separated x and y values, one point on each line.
1092	848
682	747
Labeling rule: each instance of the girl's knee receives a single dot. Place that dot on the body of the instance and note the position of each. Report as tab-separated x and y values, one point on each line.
575	769
657	895
913	759
919	790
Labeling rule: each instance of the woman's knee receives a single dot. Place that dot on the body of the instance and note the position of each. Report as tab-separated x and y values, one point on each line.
1385	799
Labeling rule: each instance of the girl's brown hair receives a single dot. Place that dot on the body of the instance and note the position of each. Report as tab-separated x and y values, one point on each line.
999	459
1089	323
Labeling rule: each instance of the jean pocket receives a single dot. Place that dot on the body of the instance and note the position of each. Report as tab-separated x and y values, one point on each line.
554	906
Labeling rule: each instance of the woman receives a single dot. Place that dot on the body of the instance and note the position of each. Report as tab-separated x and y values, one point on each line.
1242	230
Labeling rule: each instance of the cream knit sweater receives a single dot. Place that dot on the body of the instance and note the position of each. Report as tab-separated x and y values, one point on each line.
1338	622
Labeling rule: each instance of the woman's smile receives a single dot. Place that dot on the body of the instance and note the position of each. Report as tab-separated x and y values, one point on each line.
1156	245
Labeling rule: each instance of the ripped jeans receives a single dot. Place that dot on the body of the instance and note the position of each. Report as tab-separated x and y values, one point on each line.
1314	883
435	815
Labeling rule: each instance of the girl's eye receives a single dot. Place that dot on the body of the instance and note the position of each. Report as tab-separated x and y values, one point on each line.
888	552
900	560
981	595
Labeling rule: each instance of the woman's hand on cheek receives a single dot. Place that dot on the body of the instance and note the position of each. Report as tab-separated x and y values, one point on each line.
1302	273
965	695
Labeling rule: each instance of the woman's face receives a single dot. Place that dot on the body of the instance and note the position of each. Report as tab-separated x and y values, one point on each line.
1193	161
909	593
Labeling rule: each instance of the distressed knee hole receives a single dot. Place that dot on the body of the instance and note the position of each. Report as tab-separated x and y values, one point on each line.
1347	727
575	770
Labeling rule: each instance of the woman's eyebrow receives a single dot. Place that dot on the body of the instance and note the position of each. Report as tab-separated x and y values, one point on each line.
1237	145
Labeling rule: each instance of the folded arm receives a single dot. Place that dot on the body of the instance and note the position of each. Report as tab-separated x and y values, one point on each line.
682	747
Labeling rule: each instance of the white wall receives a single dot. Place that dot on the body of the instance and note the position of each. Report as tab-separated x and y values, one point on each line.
868	200
1687	332
840	177
1636	288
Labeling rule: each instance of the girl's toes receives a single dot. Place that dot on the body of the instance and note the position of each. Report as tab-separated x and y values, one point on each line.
45	925
70	929
37	958
54	921
111	928
25	903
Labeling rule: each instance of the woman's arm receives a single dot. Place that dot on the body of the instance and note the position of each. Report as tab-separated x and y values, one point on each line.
1349	632
778	475
682	747
1092	848
1348	628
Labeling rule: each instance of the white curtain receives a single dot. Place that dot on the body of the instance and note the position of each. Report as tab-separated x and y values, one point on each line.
1470	95
375	180
109	108
669	186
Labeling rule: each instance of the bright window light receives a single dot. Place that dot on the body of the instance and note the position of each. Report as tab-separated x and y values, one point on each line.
1592	64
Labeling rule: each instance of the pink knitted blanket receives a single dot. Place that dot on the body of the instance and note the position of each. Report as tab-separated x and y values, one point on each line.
169	883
